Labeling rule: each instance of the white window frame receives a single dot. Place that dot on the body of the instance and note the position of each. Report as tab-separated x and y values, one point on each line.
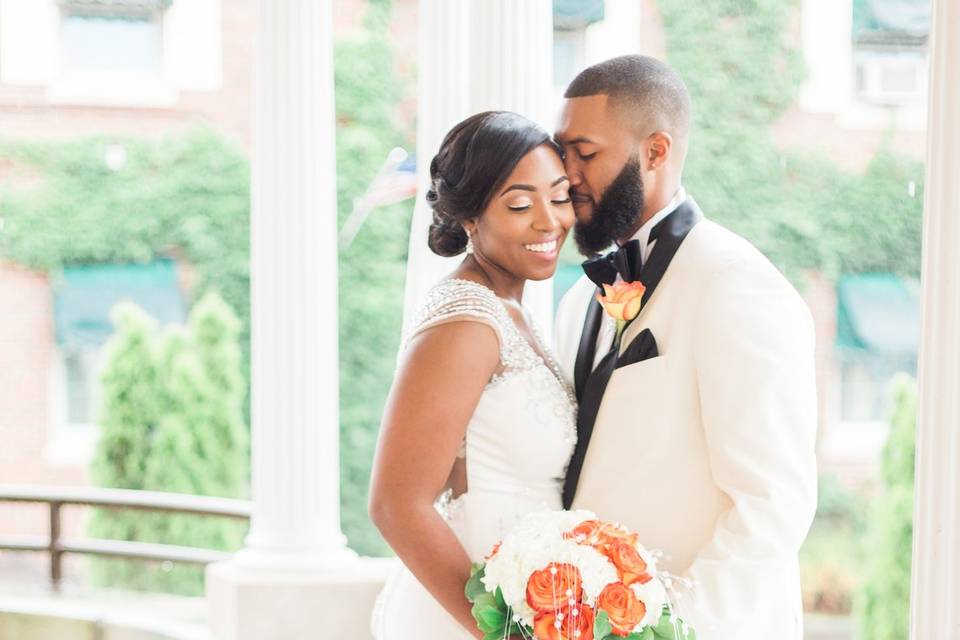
871	64
111	88
68	444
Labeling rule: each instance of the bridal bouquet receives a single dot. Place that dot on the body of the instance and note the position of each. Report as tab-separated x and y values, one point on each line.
564	575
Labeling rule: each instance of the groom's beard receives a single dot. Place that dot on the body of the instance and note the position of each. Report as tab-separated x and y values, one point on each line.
616	215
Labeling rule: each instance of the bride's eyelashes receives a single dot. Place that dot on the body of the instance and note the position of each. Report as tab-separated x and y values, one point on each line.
525	206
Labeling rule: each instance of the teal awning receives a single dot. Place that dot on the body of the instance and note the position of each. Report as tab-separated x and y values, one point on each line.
874	18
122	4
577	14
85	295
878	313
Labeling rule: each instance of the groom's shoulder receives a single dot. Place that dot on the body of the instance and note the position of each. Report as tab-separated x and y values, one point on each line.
714	248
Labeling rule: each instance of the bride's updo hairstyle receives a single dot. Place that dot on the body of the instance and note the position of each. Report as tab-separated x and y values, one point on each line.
475	159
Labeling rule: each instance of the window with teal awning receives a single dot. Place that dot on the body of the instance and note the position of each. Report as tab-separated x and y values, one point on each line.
891	16
577	14
84	295
878	313
878	335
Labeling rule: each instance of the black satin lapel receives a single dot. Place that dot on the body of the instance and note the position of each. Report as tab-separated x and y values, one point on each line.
675	228
586	417
587	350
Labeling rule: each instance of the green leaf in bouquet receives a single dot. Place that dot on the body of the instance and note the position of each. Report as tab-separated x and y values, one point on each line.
665	629
483	601
601	625
491	620
474	586
670	628
691	632
498	596
490	612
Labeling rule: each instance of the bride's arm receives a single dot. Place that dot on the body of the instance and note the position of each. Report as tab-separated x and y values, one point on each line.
434	394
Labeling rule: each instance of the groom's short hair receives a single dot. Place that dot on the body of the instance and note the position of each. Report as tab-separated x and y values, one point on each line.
643	90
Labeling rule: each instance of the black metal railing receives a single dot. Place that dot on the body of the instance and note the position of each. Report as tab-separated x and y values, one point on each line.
56	546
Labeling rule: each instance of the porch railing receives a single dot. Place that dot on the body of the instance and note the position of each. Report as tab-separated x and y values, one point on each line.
56	546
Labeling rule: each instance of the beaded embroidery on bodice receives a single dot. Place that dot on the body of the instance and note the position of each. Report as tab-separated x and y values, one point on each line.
455	297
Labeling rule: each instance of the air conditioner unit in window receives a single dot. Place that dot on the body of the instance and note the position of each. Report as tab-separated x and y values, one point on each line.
890	78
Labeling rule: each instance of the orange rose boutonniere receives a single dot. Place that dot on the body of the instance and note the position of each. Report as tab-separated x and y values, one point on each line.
622	301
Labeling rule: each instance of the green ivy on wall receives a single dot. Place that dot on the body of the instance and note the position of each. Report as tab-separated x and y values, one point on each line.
800	208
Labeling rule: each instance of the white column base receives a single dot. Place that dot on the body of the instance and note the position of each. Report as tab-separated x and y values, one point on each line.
247	603
283	560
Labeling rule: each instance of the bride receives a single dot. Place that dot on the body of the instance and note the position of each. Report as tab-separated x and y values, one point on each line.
479	426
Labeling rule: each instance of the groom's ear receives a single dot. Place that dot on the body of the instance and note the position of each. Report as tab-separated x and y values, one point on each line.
657	150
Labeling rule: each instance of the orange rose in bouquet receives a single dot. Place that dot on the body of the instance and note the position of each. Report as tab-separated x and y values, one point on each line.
631	567
553	587
573	622
624	610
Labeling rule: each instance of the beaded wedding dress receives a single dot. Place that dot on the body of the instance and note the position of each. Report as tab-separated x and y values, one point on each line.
517	447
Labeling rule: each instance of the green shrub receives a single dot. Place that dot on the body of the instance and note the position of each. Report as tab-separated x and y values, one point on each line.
172	420
884	607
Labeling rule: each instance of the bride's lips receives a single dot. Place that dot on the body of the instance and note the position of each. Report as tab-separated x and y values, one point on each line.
547	250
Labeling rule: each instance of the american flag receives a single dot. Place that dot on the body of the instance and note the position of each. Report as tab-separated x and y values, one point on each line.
396	181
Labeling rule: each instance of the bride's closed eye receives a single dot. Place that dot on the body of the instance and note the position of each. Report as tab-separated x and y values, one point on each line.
520	205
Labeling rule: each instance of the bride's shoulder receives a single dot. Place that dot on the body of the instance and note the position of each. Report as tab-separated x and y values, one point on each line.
457	295
456	299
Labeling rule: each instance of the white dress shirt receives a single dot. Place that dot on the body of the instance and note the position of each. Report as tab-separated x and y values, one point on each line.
608	326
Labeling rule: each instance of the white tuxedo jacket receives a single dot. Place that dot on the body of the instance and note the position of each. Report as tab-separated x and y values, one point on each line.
707	451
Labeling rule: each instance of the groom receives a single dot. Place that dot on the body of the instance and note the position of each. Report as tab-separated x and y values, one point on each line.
697	423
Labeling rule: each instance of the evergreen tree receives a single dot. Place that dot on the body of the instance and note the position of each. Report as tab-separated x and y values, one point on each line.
885	601
197	444
216	332
128	417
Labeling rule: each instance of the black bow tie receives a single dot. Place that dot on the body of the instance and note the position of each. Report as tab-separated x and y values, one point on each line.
625	261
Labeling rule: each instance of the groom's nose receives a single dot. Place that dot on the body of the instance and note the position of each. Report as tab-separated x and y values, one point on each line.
572	168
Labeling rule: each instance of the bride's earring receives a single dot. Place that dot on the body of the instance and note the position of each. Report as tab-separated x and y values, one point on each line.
469	244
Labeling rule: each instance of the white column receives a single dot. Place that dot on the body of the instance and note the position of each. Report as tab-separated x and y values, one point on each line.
935	588
293	302
477	55
442	81
295	578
